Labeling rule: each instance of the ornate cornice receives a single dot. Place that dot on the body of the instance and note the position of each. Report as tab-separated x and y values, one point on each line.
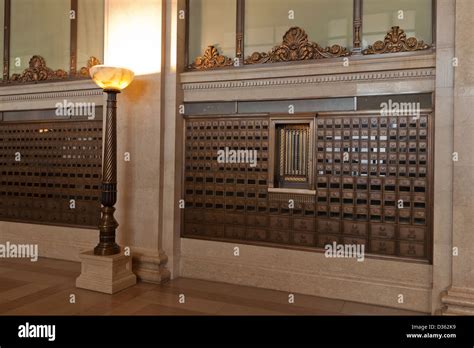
318	79
295	47
211	59
396	41
39	71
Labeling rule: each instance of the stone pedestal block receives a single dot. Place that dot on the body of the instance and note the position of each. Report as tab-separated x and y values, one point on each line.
107	274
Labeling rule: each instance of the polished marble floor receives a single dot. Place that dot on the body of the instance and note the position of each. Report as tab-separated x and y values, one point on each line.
45	288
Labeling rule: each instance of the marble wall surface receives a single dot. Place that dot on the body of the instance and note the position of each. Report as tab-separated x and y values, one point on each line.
460	297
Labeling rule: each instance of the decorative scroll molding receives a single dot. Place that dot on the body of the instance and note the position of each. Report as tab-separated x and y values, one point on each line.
295	47
84	71
38	71
396	41
389	75
210	60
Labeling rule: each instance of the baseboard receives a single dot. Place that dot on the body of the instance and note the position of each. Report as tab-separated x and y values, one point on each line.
376	282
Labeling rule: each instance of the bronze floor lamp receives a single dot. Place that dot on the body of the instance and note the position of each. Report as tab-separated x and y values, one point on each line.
112	80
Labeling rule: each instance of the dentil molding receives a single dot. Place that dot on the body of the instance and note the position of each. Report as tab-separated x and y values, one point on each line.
426	73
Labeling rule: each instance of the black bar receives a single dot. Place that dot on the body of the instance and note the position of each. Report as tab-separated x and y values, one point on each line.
243	330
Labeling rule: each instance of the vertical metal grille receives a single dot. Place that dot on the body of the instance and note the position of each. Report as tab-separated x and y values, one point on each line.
294	146
50	172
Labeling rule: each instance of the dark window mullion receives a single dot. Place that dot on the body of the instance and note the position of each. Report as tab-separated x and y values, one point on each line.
187	16
6	41
73	40
240	32
357	27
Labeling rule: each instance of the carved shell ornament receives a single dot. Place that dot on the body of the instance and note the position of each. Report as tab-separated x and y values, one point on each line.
296	46
211	59
38	71
396	41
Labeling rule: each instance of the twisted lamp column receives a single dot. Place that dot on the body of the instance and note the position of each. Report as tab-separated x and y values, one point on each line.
108	224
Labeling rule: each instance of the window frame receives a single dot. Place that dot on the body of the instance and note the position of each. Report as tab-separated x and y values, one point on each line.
239	59
73	73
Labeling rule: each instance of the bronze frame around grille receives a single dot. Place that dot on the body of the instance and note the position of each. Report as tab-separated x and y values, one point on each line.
274	155
241	210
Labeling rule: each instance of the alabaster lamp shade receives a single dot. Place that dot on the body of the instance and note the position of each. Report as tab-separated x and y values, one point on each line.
111	78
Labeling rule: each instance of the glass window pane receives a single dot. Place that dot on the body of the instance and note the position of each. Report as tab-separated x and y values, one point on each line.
90	31
40	27
379	16
212	22
327	22
2	17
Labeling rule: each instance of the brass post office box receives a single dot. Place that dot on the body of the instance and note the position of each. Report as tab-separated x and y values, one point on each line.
194	229
335	211
375	214
348	197
348	212
305	239
382	231
257	220
412	233
234	232
419	186
278	236
409	249
383	246
234	218
279	222
334	197
390	214
303	224
322	182
325	239
322	210
214	230
375	199
404	216
353	241
419	216
355	228
256	234
328	226
309	210
419	201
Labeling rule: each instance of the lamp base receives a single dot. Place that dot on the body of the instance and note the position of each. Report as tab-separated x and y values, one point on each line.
106	274
107	249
